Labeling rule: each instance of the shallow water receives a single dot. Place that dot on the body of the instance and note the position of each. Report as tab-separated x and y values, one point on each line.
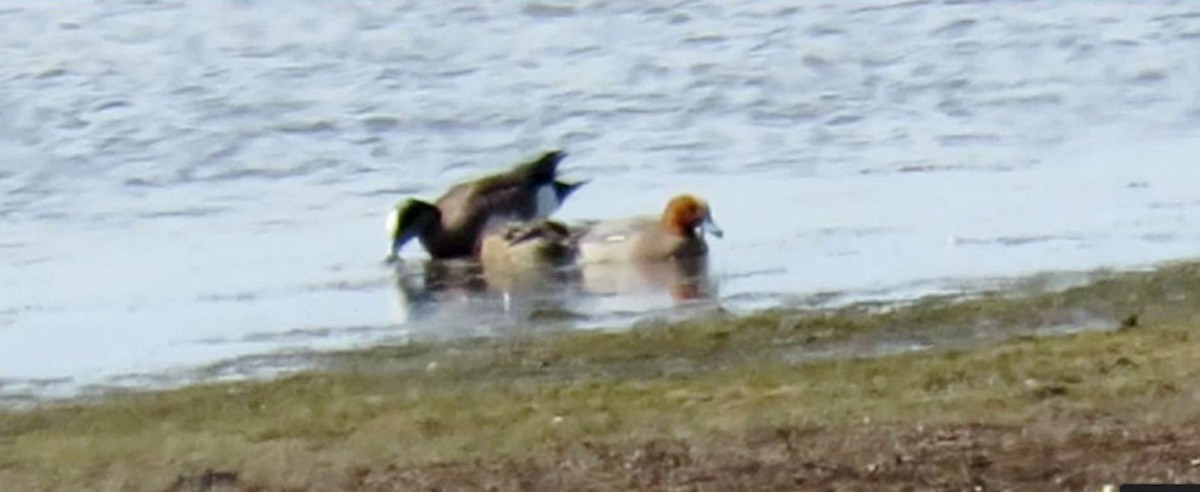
187	182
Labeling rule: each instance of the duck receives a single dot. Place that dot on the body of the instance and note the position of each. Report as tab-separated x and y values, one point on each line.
678	233
453	225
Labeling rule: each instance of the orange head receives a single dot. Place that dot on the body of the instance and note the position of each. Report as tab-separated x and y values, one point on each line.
689	216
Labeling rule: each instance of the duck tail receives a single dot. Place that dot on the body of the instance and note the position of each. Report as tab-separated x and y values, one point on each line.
545	168
564	189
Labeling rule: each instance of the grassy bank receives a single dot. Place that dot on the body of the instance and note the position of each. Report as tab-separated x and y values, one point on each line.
701	389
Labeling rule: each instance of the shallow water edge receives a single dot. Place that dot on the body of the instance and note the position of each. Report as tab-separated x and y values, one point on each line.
831	326
1123	342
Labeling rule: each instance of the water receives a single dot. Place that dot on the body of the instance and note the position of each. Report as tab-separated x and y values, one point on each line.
186	182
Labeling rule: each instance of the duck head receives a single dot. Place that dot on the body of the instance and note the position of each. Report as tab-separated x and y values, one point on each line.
689	216
410	219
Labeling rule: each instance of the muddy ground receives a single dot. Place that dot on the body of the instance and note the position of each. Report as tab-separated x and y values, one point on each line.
1072	456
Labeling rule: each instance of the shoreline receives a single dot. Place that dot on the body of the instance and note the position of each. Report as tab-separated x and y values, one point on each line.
258	367
703	395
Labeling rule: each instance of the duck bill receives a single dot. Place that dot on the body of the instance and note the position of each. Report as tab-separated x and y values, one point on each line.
711	227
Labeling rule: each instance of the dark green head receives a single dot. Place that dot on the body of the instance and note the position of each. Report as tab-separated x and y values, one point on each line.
410	219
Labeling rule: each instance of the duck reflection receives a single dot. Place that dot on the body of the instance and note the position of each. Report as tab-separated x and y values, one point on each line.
684	279
462	299
459	297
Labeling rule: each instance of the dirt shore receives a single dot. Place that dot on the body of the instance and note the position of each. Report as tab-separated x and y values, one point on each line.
943	457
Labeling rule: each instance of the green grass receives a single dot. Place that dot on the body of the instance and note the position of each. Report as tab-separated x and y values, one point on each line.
513	397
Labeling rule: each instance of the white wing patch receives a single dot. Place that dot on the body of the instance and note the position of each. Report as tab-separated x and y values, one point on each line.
547	201
393	219
615	238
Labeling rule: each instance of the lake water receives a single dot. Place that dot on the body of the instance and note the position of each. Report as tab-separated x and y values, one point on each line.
183	183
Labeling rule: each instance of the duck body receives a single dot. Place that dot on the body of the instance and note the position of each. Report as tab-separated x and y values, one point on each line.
528	245
454	225
678	233
636	239
532	254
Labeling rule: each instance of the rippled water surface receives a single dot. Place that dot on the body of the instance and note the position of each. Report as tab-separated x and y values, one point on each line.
186	182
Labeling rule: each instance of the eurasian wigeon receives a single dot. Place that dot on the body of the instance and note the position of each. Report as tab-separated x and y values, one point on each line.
678	233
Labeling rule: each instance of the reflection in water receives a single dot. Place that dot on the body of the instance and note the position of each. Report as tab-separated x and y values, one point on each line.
685	279
455	298
454	276
425	290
